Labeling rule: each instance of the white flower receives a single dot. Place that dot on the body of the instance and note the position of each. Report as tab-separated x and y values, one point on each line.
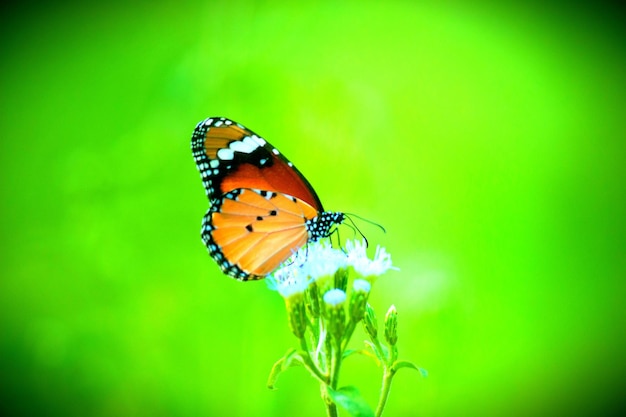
361	285
289	280
334	297
311	262
357	258
323	260
320	259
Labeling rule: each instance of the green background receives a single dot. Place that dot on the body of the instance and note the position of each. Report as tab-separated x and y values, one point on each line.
487	138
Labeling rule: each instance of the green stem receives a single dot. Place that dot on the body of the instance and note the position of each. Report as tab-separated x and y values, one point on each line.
348	334
332	356
310	364
335	364
379	347
384	391
331	407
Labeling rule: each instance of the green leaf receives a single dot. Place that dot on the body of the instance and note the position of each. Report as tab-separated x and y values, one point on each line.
350	352
378	354
350	399
411	365
283	363
369	354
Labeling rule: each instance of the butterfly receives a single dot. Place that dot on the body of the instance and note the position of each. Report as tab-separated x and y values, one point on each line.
262	208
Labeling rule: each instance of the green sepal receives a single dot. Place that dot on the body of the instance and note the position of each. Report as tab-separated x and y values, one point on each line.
350	399
313	300
391	326
406	364
341	279
291	358
392	354
370	323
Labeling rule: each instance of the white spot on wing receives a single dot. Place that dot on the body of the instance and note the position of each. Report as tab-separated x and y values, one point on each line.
214	163
244	147
226	153
258	140
250	141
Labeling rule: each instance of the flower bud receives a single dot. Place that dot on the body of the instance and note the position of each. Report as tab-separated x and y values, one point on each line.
370	322
291	282
358	299
341	279
334	312
391	326
313	300
296	311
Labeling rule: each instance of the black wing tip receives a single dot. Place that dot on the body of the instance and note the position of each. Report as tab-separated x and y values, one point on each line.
215	121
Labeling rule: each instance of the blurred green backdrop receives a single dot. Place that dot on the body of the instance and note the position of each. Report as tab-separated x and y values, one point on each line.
487	139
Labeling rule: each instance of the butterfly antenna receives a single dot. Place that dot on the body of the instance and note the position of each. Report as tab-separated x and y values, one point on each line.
350	226
338	236
355	227
367	221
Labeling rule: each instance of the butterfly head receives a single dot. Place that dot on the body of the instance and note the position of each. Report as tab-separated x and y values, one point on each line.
322	226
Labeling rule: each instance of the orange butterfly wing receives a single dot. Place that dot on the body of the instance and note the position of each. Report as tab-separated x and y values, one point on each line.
230	156
262	208
256	231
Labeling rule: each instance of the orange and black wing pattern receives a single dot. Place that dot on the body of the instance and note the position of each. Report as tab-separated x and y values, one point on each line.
230	156
255	231
262	208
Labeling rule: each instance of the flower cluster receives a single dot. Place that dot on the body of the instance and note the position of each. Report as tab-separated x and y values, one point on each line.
320	267
326	292
319	261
